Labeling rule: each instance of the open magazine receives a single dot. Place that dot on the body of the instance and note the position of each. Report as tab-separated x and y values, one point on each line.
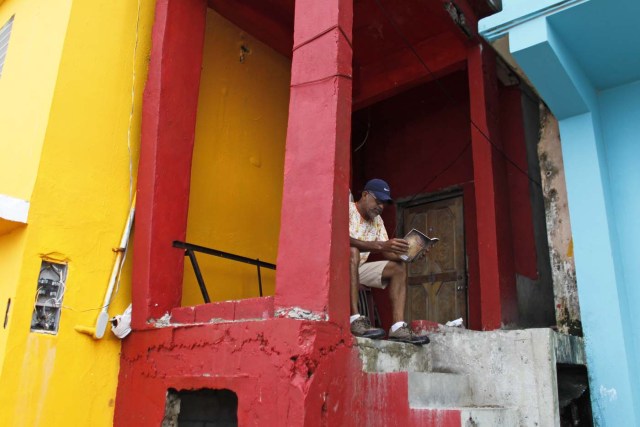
418	241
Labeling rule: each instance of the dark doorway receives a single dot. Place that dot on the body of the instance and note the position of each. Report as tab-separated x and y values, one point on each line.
437	284
201	408
574	401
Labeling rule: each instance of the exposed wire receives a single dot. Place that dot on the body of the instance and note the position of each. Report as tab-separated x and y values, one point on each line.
35	302
131	114
124	256
53	302
432	180
75	310
366	136
321	79
122	260
51	267
446	93
133	100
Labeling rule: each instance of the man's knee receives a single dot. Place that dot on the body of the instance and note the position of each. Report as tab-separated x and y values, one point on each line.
395	270
398	269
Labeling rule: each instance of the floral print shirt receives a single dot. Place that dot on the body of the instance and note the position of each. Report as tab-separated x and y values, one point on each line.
367	231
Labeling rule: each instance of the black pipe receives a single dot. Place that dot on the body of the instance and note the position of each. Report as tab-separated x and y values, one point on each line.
221	254
196	269
259	279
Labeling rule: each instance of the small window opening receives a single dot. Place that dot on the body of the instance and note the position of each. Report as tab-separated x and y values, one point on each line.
201	408
574	400
48	301
5	33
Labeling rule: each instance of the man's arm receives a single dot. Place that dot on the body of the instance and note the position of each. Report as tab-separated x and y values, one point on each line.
391	249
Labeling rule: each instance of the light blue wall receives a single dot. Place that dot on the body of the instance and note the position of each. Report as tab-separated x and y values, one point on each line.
583	56
604	320
620	118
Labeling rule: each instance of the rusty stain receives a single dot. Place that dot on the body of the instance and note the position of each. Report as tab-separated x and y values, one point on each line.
570	249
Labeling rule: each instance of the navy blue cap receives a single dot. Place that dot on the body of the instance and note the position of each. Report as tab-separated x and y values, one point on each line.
380	189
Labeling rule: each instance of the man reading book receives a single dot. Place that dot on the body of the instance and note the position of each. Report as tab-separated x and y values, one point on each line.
368	234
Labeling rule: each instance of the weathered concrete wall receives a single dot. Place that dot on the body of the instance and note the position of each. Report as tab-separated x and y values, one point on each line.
563	268
535	294
504	370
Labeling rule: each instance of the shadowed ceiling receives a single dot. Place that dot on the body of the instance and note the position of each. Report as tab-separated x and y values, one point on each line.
396	44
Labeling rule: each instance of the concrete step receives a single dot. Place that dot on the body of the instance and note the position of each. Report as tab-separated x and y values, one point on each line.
469	417
389	356
439	390
489	417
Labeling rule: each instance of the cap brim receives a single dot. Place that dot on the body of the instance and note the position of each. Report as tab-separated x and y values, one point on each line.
383	197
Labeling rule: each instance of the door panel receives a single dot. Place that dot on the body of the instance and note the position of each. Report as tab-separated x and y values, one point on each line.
438	284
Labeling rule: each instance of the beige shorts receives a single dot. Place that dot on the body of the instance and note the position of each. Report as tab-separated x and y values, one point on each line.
371	274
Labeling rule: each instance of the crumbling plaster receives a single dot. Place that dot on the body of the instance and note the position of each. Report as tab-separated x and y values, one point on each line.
285	372
554	189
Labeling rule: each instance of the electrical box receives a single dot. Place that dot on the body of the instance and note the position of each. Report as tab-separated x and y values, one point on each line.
48	301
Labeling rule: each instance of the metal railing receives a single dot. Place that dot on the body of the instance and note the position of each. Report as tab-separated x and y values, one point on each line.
191	249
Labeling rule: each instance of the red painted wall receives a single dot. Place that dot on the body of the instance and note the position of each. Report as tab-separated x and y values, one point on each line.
512	131
313	248
289	372
168	131
419	142
285	373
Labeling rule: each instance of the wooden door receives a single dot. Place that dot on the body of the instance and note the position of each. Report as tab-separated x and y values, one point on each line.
438	284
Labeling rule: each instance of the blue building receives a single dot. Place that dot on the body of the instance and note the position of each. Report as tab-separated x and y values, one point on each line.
583	57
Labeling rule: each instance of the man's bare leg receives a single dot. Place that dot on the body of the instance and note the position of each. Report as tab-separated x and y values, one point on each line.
360	325
396	273
355	279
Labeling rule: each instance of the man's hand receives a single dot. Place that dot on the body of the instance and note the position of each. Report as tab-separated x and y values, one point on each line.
396	246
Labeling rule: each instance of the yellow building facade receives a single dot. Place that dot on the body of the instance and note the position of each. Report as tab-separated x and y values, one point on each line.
70	110
238	161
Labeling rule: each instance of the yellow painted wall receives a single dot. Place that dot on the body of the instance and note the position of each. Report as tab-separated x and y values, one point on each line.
79	204
237	173
11	250
26	88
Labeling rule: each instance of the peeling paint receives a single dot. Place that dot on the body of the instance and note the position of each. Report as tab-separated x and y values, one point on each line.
386	356
608	393
559	235
172	410
301	314
162	322
278	366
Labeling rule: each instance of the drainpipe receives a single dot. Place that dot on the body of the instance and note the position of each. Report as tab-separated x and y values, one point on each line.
102	321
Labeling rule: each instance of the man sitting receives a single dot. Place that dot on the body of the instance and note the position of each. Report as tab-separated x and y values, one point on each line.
368	234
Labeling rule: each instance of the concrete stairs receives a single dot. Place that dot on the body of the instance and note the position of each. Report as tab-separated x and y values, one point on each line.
435	390
472	417
473	378
439	390
428	390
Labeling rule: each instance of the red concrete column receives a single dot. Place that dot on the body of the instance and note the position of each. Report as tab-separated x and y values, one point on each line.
498	303
168	128
313	250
